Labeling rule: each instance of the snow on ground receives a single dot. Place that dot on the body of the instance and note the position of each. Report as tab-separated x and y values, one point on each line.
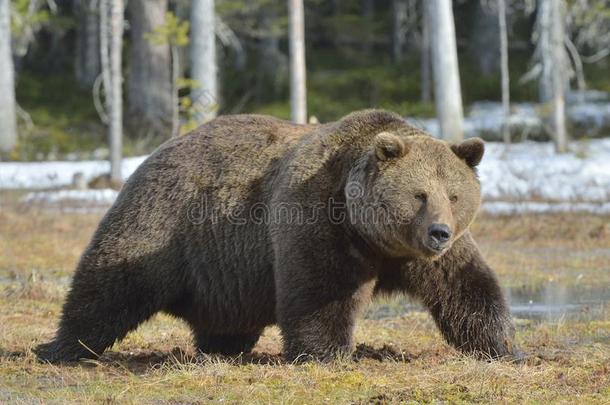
485	119
533	171
525	177
97	197
44	175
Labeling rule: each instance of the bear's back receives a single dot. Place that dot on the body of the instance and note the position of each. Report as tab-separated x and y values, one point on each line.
182	211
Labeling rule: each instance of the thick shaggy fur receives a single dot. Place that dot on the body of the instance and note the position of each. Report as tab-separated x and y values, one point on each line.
250	221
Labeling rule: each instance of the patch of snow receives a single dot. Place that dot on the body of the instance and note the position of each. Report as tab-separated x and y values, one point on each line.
97	197
575	96
590	115
485	120
430	125
514	178
41	175
533	171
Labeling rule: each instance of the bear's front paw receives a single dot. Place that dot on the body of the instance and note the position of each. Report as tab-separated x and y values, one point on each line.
55	352
502	350
47	353
301	354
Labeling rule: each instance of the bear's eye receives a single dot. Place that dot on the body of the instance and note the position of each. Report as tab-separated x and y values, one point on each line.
423	197
453	198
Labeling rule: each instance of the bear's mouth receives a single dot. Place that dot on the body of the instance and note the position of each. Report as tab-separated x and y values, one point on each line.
433	248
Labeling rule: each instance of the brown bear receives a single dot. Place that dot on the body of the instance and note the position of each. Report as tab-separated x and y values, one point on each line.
251	221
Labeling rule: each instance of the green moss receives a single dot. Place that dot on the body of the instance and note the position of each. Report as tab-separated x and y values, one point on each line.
477	86
64	118
335	92
58	95
279	110
597	76
337	87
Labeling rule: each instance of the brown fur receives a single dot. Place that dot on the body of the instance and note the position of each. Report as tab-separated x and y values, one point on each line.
250	221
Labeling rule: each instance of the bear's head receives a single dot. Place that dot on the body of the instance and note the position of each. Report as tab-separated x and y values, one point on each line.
413	196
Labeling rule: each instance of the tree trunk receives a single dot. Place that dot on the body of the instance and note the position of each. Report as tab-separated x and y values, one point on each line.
426	86
182	10
203	59
552	54
175	95
484	44
399	28
149	87
298	95
111	53
543	23
8	120
448	93
558	73
504	69
87	58
545	27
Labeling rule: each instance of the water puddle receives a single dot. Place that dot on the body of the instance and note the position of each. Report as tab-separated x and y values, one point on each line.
553	302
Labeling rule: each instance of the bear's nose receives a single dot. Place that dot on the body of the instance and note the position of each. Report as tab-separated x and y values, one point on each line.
439	234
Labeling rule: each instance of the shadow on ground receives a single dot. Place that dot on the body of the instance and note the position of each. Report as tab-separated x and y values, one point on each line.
142	361
139	362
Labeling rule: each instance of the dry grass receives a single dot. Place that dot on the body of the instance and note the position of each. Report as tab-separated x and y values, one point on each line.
400	359
533	249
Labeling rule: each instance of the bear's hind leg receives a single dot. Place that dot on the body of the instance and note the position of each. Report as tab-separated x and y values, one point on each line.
103	305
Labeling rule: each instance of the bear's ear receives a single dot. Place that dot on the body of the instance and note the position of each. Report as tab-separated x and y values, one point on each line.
471	151
388	146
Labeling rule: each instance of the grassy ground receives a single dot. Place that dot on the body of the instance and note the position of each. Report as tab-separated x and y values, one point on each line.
399	359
